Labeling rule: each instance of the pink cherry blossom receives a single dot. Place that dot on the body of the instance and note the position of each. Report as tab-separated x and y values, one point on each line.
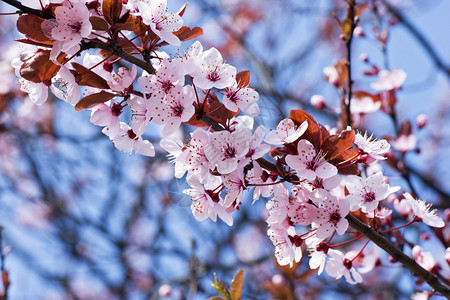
331	217
286	132
72	24
341	265
226	148
259	176
127	141
141	114
309	164
167	76
366	193
374	148
421	211
163	24
123	79
235	184
213	72
104	115
286	242
405	143
206	203
389	80
423	258
241	98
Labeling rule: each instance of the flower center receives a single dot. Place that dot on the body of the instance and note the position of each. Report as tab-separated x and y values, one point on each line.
229	151
213	76
335	217
369	196
116	109
131	134
177	110
76	27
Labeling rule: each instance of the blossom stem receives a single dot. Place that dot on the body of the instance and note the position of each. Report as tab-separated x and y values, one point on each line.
346	242
360	252
404	225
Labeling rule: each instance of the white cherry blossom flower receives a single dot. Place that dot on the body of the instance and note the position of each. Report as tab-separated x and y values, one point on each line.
374	148
127	141
366	193
389	80
123	79
286	132
423	258
421	211
332	217
235	98
213	72
226	148
309	164
72	24
286	250
341	265
205	202
163	24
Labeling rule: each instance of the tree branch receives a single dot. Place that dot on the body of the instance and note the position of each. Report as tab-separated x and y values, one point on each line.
399	256
24	9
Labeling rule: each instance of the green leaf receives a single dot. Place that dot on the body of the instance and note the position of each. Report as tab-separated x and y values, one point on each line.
236	285
221	288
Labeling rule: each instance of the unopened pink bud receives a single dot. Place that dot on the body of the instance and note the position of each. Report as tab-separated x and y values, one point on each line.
318	101
447	255
363	57
359	31
424	236
164	290
421	120
278	279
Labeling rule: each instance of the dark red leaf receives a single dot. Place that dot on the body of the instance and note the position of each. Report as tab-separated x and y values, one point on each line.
243	79
92	99
39	68
89	78
98	23
111	10
30	25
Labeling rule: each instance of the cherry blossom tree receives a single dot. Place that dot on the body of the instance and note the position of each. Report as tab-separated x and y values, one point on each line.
346	197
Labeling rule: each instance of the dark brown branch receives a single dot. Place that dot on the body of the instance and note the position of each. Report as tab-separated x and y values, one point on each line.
399	256
115	49
348	45
24	9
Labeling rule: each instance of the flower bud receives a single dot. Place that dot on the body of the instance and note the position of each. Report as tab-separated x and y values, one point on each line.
421	120
318	101
164	290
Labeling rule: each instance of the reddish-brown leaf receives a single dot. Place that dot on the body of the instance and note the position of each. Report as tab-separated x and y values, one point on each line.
315	133
335	145
98	23
185	33
30	25
182	10
111	10
35	43
39	68
89	78
92	99
129	26
243	79
218	111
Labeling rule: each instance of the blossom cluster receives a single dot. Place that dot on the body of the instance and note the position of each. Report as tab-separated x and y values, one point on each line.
315	181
